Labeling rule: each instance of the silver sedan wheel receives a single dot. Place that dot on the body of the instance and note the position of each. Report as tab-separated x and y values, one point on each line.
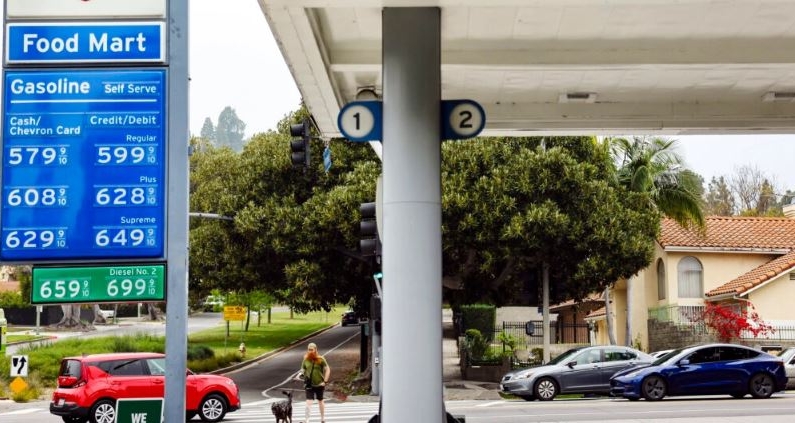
546	389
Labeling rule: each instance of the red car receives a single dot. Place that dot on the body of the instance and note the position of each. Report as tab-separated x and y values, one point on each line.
88	387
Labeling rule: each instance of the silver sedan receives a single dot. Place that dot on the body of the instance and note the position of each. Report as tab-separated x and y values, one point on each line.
584	370
788	355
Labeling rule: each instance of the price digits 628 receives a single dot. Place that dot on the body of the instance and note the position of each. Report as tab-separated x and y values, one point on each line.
63	289
124	196
127	287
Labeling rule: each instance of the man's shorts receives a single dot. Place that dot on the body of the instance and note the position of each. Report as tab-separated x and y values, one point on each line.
315	392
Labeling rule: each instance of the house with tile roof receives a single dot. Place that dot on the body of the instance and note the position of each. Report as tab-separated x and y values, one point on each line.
736	261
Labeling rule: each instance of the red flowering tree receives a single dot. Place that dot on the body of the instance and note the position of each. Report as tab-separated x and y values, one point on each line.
730	321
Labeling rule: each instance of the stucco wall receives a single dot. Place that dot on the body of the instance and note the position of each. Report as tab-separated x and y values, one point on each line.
768	299
718	270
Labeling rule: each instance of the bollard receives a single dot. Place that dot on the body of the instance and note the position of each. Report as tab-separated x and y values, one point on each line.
3	325
242	349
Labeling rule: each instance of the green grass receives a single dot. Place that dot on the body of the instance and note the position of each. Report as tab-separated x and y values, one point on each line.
266	337
259	339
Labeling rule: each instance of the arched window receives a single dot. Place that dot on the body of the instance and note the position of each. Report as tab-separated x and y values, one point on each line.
690	278
660	280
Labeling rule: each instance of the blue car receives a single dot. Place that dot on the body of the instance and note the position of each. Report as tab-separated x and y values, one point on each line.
712	369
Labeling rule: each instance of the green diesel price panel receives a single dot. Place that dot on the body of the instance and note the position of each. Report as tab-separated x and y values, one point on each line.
129	283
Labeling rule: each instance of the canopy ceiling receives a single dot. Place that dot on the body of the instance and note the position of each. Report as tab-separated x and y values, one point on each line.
566	66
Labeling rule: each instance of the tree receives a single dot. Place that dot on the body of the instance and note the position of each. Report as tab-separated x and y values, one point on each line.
731	321
753	190
208	130
230	130
509	205
294	234
651	165
719	200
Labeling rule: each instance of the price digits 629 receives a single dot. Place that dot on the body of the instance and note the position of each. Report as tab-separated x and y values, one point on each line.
42	238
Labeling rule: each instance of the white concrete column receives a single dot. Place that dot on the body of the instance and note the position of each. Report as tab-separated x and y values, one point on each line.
412	242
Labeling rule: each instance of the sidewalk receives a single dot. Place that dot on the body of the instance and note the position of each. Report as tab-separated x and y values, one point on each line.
456	388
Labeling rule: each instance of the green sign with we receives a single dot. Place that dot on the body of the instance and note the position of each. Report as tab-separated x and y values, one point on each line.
139	410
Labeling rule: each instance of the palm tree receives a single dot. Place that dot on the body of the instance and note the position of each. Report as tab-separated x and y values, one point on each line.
651	165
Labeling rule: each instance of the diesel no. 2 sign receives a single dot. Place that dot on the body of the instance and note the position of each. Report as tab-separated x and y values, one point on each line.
58	285
83	165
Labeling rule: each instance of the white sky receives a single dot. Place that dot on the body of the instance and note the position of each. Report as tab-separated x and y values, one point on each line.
235	62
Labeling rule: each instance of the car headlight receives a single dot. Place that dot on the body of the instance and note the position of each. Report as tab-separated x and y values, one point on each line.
632	373
524	375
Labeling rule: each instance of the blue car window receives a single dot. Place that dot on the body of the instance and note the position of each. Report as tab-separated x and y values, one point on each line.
704	355
732	353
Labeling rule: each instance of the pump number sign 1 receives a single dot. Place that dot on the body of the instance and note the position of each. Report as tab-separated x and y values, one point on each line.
134	283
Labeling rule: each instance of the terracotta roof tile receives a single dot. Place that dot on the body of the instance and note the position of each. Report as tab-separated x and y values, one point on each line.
595	297
769	233
599	312
756	276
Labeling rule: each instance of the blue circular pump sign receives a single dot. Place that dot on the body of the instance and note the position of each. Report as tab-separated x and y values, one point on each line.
83	165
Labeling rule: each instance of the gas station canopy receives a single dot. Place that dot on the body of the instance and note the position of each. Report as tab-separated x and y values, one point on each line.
565	66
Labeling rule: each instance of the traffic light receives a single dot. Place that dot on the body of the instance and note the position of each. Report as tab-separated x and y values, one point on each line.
369	245
299	145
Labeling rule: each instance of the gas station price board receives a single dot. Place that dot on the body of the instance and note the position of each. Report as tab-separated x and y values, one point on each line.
83	165
133	283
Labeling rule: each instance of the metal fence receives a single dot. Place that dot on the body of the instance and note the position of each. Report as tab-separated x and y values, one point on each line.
687	319
512	340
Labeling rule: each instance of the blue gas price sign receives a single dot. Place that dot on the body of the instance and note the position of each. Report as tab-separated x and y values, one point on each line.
83	165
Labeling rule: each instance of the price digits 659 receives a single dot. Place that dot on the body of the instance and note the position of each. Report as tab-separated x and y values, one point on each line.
64	289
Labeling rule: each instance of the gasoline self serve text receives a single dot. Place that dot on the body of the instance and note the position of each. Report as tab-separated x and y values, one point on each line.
65	86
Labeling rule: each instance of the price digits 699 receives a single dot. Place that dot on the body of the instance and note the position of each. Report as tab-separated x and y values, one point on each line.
129	287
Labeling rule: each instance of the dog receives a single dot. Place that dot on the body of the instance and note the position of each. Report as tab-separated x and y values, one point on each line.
283	410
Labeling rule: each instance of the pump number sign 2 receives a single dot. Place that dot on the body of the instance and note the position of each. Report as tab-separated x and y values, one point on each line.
135	283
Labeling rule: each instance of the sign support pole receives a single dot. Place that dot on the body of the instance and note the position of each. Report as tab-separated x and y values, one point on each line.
177	244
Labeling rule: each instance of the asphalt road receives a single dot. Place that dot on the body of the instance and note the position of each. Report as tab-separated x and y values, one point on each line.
266	378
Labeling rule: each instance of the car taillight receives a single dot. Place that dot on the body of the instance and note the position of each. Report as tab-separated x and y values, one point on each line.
70	382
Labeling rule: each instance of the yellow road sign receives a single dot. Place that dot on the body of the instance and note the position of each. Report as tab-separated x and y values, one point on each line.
234	313
18	385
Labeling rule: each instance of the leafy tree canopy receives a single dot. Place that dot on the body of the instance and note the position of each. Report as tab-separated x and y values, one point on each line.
230	130
508	206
